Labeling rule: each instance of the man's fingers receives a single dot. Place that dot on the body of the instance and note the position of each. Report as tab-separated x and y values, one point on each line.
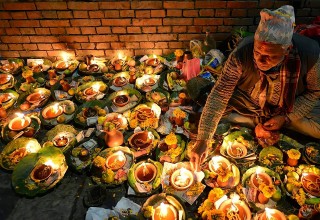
194	161
203	157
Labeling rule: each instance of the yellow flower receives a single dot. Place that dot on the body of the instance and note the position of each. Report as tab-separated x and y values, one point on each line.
294	154
215	194
267	190
171	139
133	123
300	196
224	176
178	53
205	206
27	73
179	113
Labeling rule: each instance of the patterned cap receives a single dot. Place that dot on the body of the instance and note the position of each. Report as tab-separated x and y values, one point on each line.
276	26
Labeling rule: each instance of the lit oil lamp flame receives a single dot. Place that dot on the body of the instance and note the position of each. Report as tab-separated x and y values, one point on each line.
145	169
30	148
22	119
96	87
183	179
51	163
269	213
120	56
121	156
258	171
163	211
215	165
65	56
55	108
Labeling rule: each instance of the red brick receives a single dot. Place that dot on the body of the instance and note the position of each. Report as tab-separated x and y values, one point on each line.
15	46
27	31
45	47
208	21
132	30
161	45
8	54
150	51
19	15
116	22
57	30
3	47
114	5
55	23
253	12
80	14
147	45
31	53
158	13
186	37
83	5
242	4
103	38
103	30
5	15
146	30
179	29
147	22
222	12
57	53
59	46
111	14
96	14
30	47
49	14
180	21
206	12
127	13
194	29
73	30
51	5
146	4
34	14
227	29
131	38
190	13
117	45
44	39
168	51
143	13
88	46
174	13
266	4
15	39
65	14
175	4
278	4
74	39
2	31
13	31
175	44
24	23
211	29
119	30
238	21
4	23
238	13
164	29
162	37
21	6
131	45
221	36
103	46
88	30
211	4
85	22
96	53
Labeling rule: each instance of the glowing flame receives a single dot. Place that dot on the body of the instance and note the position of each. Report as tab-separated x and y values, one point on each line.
120	56
183	179
259	170
55	108
65	56
120	156
163	210
50	163
96	87
156	109
30	148
269	213
235	198
39	62
21	117
145	169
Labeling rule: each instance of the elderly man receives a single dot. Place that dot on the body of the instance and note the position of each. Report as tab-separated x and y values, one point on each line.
272	78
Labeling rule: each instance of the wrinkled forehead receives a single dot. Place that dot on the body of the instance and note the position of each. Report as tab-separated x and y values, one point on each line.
268	48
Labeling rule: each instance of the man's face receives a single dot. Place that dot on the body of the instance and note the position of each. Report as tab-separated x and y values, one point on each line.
267	55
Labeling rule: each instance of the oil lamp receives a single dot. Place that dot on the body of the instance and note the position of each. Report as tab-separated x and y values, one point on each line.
120	81
272	214
19	123
5	97
64	63
234	208
8	67
93	66
116	160
219	164
35	97
237	150
182	179
260	177
43	171
5	78
93	90
52	111
60	141
165	212
145	172
121	100
311	183
153	61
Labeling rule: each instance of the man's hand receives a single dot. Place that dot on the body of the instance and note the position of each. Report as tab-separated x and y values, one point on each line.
198	154
275	123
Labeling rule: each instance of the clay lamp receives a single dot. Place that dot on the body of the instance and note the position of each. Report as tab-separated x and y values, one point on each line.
93	90
149	82
62	65
37	68
84	154
165	212
145	172
237	150
43	171
120	81
19	123
144	113
140	140
311	183
35	97
89	112
181	179
52	111
117	119
5	78
219	164
8	67
235	208
5	97
153	61
121	100
116	161
272	214
260	177
60	141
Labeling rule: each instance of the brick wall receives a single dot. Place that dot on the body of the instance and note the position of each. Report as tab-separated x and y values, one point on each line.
45	28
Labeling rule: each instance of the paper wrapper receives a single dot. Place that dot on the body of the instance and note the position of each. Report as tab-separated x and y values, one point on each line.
126	206
96	213
189	195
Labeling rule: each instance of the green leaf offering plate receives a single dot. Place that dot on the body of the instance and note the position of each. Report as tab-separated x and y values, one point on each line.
6	81
91	91
11	66
38	172
65	67
39	65
172	81
312	154
172	153
96	68
8	98
35	99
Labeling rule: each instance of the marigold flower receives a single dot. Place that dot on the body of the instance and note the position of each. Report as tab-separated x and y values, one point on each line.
178	53
294	154
171	139
177	112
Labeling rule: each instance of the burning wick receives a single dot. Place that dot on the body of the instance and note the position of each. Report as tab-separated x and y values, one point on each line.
145	169
96	88
51	164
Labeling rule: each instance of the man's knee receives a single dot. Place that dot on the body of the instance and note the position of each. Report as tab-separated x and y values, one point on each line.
306	126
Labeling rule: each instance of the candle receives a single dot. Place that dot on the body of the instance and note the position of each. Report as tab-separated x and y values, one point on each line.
52	111
19	123
145	172
116	160
182	179
164	212
260	177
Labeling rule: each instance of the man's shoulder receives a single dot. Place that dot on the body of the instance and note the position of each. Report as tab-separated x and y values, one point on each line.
305	45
